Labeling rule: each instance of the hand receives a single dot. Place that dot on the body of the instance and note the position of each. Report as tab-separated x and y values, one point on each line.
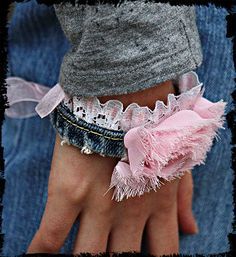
77	183
187	222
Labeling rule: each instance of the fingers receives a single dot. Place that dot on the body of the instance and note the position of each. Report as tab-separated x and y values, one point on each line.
93	234
57	220
126	237
111	226
127	231
95	223
162	226
98	212
162	233
62	206
187	222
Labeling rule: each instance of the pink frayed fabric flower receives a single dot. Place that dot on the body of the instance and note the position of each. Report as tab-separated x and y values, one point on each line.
167	148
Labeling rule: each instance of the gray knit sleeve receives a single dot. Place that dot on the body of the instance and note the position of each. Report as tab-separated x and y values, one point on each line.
123	49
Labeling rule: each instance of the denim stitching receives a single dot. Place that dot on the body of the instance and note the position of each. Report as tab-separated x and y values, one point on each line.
87	130
66	111
78	133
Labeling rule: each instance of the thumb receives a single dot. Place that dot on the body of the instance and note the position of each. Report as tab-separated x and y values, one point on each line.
187	222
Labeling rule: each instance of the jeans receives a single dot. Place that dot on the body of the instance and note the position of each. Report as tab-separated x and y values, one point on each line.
28	147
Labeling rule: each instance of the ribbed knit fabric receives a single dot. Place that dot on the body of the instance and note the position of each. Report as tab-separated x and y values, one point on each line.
118	50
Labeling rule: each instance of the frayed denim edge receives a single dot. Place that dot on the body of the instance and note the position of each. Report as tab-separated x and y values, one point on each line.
87	137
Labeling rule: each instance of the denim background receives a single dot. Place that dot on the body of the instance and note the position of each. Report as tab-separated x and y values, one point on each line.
36	48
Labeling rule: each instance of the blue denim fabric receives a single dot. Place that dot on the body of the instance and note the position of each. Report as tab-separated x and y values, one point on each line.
34	34
82	134
28	143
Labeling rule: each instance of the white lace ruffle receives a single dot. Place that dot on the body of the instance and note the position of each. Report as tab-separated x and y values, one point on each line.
111	115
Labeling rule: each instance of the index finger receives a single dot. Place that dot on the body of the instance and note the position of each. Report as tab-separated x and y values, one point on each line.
60	210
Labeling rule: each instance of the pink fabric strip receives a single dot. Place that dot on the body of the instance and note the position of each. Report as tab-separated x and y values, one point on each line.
27	99
23	97
50	101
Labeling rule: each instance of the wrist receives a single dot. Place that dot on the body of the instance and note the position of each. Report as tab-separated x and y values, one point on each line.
147	97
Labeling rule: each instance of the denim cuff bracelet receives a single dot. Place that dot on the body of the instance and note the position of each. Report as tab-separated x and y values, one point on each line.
86	136
161	143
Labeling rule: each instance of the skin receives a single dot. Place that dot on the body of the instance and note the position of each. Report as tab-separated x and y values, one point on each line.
76	188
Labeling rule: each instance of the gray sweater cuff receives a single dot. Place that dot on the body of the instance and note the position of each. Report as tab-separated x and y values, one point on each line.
119	50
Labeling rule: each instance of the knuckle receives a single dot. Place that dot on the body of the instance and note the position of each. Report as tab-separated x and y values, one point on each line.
166	207
49	241
71	189
135	213
75	192
166	202
136	209
106	210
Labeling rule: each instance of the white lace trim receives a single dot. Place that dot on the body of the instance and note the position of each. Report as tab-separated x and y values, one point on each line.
111	115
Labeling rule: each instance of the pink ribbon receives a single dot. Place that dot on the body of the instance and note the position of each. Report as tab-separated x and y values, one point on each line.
23	97
27	99
50	101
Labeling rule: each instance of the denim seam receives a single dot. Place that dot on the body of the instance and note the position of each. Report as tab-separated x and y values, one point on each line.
87	130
